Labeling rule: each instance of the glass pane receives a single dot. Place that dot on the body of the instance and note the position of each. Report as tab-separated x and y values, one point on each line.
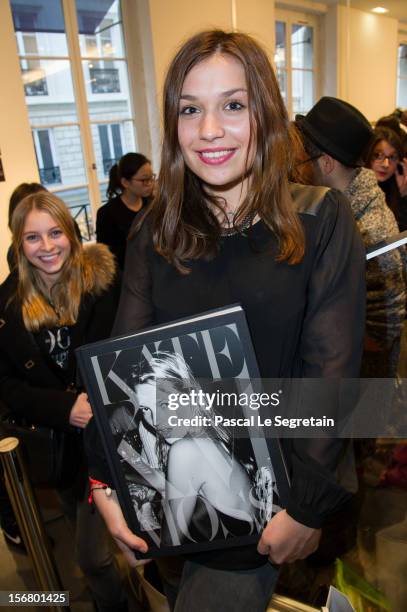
111	141
107	82
402	93
303	91
102	189
280	54
403	61
301	46
59	155
39	27
282	81
102	29
77	201
49	91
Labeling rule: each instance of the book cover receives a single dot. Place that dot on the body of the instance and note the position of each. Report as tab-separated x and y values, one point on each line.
173	406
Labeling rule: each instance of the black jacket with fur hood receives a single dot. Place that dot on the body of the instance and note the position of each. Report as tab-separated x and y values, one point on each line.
30	385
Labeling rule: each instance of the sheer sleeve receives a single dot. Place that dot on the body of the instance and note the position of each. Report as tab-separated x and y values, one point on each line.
135	312
135	307
331	347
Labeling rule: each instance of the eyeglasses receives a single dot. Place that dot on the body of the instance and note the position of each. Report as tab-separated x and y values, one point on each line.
380	157
145	181
309	159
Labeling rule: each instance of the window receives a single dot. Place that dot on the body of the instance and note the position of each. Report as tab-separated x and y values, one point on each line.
110	137
104	80
35	83
34	80
104	76
402	76
50	172
295	60
77	95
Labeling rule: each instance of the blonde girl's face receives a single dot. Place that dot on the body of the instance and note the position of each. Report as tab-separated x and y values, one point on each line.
45	245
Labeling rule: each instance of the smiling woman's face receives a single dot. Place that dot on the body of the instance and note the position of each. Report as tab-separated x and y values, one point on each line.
214	124
45	245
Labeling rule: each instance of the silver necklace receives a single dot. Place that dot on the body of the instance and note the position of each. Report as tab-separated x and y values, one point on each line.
239	229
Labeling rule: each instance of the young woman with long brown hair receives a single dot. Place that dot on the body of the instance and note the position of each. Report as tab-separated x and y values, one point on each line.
59	296
226	226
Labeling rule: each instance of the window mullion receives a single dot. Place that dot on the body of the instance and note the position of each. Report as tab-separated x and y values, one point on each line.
72	35
289	69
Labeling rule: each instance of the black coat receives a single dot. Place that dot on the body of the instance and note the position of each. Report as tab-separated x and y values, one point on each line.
113	223
31	385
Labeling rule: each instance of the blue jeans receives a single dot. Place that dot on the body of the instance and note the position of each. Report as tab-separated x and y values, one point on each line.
203	589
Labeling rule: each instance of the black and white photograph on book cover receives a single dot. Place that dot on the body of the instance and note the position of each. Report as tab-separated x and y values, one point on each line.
185	480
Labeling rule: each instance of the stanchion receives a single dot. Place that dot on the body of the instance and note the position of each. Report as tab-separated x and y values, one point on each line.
29	519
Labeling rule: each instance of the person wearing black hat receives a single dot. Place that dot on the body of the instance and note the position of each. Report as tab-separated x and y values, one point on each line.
336	134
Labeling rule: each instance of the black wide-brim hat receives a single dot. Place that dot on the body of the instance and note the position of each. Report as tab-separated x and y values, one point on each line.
337	128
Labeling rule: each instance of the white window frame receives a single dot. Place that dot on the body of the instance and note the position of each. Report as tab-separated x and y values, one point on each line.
402	40
84	120
291	18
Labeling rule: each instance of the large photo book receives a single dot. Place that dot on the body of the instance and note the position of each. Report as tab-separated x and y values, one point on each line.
173	407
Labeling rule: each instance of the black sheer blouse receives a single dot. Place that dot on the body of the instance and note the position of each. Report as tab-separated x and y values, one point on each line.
306	320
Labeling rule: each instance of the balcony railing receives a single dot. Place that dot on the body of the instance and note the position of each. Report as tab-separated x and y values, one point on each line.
104	80
49	176
80	213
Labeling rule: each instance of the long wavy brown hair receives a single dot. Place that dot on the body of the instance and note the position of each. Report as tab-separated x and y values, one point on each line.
184	226
39	308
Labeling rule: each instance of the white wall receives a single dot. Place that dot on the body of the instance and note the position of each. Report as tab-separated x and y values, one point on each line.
367	72
17	149
330	53
173	22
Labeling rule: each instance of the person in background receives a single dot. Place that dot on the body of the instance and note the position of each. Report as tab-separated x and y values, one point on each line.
302	170
8	522
130	188
387	159
396	121
20	192
59	296
226	226
335	135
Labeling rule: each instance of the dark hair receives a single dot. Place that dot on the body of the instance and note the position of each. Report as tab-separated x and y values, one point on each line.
19	193
302	171
389	135
390	188
391	122
127	167
184	226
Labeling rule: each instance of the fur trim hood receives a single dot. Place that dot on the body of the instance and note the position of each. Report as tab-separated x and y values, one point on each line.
99	268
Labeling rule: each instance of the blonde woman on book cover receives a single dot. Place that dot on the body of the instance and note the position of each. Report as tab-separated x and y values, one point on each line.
191	467
226	226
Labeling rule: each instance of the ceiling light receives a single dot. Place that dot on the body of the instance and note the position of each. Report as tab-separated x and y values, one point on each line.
380	10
